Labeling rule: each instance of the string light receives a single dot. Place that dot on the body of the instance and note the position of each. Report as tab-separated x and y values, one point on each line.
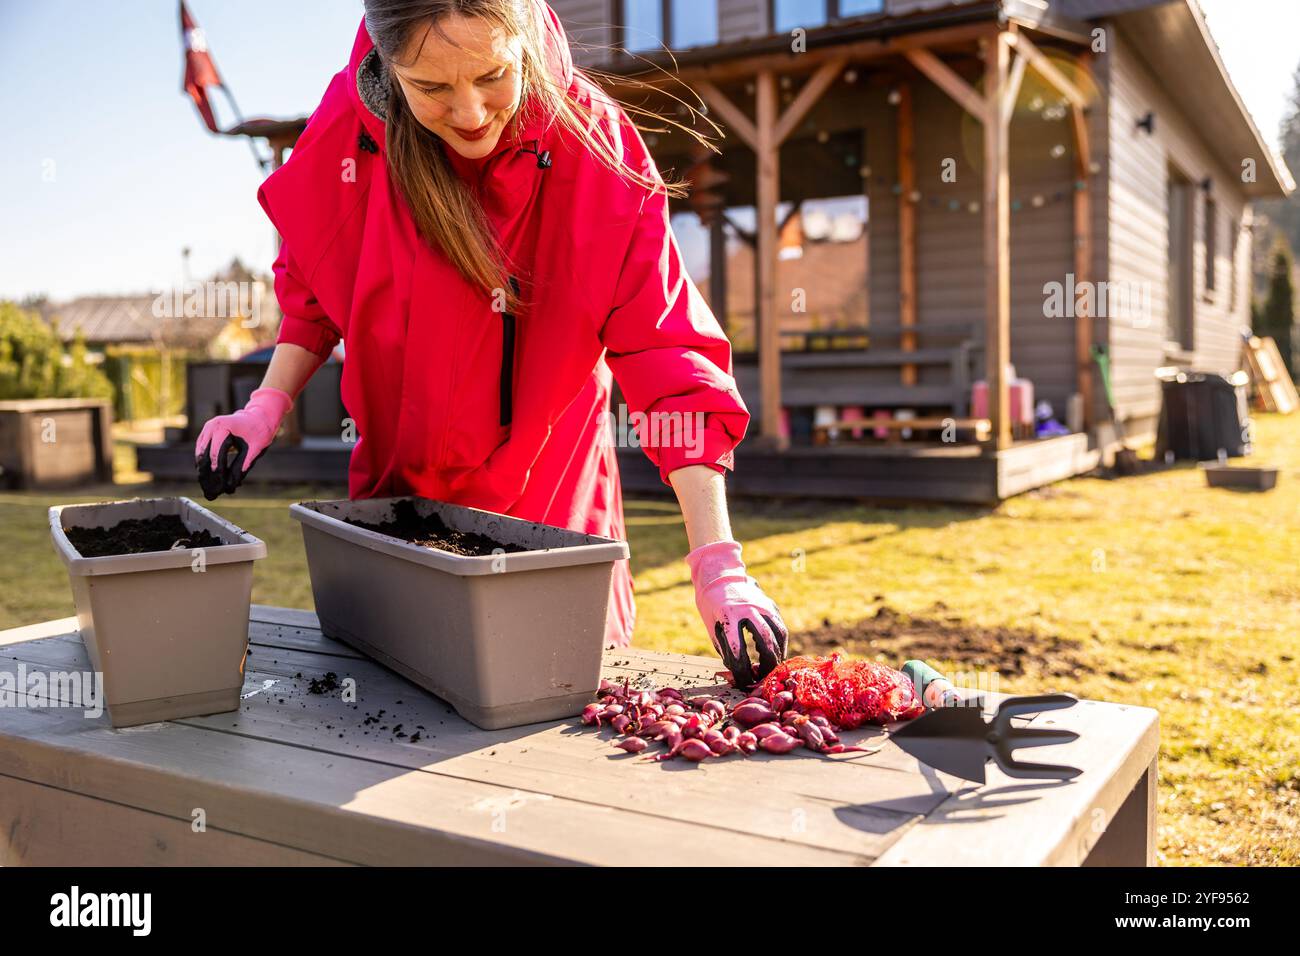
940	202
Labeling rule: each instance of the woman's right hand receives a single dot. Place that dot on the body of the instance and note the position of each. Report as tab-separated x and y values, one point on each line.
248	432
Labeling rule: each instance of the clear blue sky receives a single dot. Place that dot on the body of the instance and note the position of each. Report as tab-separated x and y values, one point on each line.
91	94
95	88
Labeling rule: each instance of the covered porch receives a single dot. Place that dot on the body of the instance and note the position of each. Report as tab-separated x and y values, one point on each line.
857	349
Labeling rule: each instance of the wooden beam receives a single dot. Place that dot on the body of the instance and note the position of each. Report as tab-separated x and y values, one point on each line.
718	272
948	80
1082	256
1012	92
1048	70
1082	147
808	96
864	145
730	113
997	244
906	228
768	158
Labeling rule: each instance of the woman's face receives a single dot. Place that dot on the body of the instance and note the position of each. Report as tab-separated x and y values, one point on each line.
463	83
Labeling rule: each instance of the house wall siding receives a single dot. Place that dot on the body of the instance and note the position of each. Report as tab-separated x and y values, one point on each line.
591	20
739	19
950	257
1138	235
1130	218
589	25
897	8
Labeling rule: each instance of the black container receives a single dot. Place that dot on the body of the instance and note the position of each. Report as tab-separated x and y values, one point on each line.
1203	416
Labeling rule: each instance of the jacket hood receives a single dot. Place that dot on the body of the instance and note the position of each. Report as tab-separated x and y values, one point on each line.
369	90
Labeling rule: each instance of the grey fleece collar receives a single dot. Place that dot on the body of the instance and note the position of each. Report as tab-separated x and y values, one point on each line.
373	85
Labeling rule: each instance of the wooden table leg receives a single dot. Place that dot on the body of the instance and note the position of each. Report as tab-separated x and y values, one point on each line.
1130	839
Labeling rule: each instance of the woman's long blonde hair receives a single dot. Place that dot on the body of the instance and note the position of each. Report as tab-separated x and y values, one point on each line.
446	213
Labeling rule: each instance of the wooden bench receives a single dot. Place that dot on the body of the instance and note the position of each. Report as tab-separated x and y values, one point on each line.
873	377
293	778
822	434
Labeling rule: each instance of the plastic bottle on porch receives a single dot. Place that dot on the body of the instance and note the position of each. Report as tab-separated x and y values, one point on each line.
1020	401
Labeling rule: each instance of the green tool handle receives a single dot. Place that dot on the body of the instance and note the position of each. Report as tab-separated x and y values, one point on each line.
922	675
1102	358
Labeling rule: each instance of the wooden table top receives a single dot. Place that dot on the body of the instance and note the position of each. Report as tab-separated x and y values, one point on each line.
309	777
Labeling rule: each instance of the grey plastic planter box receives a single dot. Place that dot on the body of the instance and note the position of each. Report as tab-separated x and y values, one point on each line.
170	640
505	639
1240	477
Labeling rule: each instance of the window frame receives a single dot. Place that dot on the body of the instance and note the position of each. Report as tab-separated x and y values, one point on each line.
619	20
1182	345
833	15
1210	237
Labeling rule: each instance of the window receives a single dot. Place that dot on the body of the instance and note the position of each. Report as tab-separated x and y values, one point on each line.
676	24
822	268
788	14
1234	234
694	22
1211	243
1181	212
857	8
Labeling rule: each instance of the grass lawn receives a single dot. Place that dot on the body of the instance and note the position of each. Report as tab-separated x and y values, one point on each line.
1154	590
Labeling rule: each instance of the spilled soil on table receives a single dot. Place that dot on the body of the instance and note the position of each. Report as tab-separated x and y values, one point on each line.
430	531
893	638
139	536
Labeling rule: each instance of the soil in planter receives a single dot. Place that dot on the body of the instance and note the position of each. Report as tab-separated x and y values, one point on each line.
430	531
138	536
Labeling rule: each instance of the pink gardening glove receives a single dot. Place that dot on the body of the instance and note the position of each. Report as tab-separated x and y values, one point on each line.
248	431
730	603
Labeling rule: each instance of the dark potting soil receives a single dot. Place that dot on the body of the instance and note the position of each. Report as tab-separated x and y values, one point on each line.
432	532
138	536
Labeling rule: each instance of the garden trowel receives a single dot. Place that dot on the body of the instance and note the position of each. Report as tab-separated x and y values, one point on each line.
958	741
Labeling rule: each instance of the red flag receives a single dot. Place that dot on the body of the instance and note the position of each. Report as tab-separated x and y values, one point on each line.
200	71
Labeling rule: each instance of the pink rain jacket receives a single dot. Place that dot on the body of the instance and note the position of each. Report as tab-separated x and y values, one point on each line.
456	401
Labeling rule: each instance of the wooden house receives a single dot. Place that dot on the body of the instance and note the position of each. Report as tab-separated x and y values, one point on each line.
145	341
914	196
1029	179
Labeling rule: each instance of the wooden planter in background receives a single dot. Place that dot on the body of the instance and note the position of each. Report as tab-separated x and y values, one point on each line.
55	442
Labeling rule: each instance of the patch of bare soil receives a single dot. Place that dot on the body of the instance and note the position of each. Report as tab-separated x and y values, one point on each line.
895	638
429	531
139	536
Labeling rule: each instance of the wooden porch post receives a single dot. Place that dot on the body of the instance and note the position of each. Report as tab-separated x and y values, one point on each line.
997	235
1082	265
906	229
718	272
768	156
764	135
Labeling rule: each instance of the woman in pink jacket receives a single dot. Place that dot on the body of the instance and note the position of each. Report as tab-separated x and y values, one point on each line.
487	232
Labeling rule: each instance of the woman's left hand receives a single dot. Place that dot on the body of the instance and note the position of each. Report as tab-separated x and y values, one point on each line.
730	602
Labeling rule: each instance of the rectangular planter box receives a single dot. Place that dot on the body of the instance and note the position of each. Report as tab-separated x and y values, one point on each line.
170	640
505	639
1241	477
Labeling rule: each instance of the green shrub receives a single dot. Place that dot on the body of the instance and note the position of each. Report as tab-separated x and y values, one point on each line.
1277	316
34	363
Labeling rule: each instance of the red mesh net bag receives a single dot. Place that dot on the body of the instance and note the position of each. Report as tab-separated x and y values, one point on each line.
849	693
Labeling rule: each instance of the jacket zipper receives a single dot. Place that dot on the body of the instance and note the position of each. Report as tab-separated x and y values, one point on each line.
508	359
